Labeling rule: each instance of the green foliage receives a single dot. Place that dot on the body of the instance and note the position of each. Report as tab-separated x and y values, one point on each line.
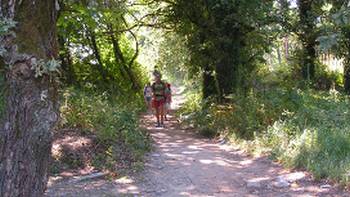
174	59
225	39
315	136
306	129
97	46
243	115
114	122
326	79
41	67
335	30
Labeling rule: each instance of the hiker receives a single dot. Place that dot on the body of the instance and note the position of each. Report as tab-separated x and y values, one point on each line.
147	94
158	89
167	100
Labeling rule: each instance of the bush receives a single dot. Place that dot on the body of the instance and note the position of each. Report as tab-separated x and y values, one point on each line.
305	129
315	137
325	79
114	123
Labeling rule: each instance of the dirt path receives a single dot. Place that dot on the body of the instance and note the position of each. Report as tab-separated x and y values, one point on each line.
183	164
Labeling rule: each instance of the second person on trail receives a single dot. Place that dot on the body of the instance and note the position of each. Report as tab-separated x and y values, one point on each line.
158	89
147	94
167	100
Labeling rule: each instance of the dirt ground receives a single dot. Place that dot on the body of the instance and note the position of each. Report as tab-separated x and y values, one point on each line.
184	164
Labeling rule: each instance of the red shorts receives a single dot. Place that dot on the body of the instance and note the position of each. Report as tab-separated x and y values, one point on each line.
158	103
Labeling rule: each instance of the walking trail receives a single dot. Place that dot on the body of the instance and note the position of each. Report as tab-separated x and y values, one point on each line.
184	164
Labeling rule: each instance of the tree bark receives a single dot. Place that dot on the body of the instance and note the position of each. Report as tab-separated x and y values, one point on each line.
31	101
66	61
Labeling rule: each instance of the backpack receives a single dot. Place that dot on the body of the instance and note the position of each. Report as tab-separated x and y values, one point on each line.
159	94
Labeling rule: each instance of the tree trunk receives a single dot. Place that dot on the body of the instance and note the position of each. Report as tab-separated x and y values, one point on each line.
347	63
31	103
347	76
308	61
209	84
66	61
225	76
94	47
121	60
279	56
308	38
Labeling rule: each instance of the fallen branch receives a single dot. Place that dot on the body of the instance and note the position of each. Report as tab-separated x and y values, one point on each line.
88	177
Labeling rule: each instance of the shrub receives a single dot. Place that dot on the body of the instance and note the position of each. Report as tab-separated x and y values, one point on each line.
115	124
305	129
316	136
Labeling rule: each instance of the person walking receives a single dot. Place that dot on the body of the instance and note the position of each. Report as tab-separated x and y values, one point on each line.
147	94
158	89
167	100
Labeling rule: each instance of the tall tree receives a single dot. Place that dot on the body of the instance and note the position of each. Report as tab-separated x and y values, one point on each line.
101	40
308	14
226	39
308	38
31	104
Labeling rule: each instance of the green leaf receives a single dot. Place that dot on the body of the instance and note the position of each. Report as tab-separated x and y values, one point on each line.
328	42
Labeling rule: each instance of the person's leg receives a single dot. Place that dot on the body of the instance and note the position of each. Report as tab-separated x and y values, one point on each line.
157	115
149	106
162	113
165	112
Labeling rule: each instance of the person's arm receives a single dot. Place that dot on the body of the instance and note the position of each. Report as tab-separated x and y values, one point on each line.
144	94
144	90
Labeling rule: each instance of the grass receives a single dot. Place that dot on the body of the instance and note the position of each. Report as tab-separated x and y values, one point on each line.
301	128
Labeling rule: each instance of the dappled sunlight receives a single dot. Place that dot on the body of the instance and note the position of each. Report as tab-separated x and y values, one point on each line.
174	156
129	190
246	162
73	142
217	162
124	180
201	167
193	147
189	152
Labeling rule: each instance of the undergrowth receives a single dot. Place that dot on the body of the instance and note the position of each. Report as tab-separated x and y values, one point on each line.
303	129
119	140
